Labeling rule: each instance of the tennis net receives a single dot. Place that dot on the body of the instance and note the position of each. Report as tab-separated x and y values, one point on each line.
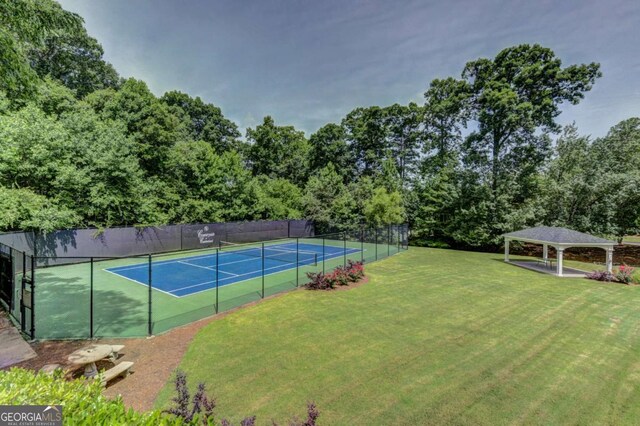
279	254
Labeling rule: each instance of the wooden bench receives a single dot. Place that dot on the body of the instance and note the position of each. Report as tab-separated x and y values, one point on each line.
123	369
115	349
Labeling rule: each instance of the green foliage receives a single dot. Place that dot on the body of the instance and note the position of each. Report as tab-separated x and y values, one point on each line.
324	188
22	209
74	59
384	208
82	403
78	146
150	122
328	145
278	151
25	24
276	199
205	121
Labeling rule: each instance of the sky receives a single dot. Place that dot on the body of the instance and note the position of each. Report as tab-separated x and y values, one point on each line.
309	62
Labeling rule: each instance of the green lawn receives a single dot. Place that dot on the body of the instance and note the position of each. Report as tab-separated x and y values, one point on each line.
632	239
436	336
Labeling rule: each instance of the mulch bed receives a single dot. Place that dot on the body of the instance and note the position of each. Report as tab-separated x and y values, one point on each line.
350	286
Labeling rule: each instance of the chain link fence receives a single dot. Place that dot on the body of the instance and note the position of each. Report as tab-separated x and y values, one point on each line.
97	295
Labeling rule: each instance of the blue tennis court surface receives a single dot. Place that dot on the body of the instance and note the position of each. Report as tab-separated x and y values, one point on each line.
189	275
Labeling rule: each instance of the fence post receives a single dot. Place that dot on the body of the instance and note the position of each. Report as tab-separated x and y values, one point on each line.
150	326
398	232
217	281
388	240
263	270
91	302
23	314
376	240
323	255
344	253
33	299
362	244
297	262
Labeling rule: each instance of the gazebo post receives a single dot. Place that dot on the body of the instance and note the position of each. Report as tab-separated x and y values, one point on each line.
506	249
545	252
560	251
609	259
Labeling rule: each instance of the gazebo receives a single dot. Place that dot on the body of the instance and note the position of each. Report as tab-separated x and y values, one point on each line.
560	239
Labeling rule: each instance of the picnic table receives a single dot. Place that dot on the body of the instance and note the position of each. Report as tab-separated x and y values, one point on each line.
88	357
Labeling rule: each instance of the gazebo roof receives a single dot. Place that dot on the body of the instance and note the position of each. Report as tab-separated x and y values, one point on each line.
560	236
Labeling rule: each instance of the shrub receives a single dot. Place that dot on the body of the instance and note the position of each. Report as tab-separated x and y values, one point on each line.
601	276
83	402
201	407
624	274
342	275
355	270
319	281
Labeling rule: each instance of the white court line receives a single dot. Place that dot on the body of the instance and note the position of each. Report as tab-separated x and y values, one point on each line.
349	251
241	275
141	283
204	256
207	267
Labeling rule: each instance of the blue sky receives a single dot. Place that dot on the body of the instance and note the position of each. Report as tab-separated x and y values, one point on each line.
307	63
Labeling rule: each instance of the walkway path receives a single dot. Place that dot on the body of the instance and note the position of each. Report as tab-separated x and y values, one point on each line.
13	348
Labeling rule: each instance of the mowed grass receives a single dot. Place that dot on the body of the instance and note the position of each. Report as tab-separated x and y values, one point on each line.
632	239
435	337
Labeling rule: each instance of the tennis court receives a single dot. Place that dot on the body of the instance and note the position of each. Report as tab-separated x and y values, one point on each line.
146	294
234	264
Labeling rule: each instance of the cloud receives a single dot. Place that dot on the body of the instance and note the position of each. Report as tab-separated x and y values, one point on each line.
309	63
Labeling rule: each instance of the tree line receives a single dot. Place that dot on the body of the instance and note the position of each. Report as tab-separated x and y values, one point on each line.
482	155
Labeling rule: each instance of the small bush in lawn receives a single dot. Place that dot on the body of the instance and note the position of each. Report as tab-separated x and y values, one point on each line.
601	276
624	274
342	275
318	281
355	270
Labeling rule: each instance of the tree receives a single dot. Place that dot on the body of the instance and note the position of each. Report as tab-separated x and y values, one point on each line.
384	208
323	189
366	132
25	24
446	112
205	121
22	209
278	152
328	145
276	199
75	59
515	94
209	187
619	151
154	126
404	124
513	101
